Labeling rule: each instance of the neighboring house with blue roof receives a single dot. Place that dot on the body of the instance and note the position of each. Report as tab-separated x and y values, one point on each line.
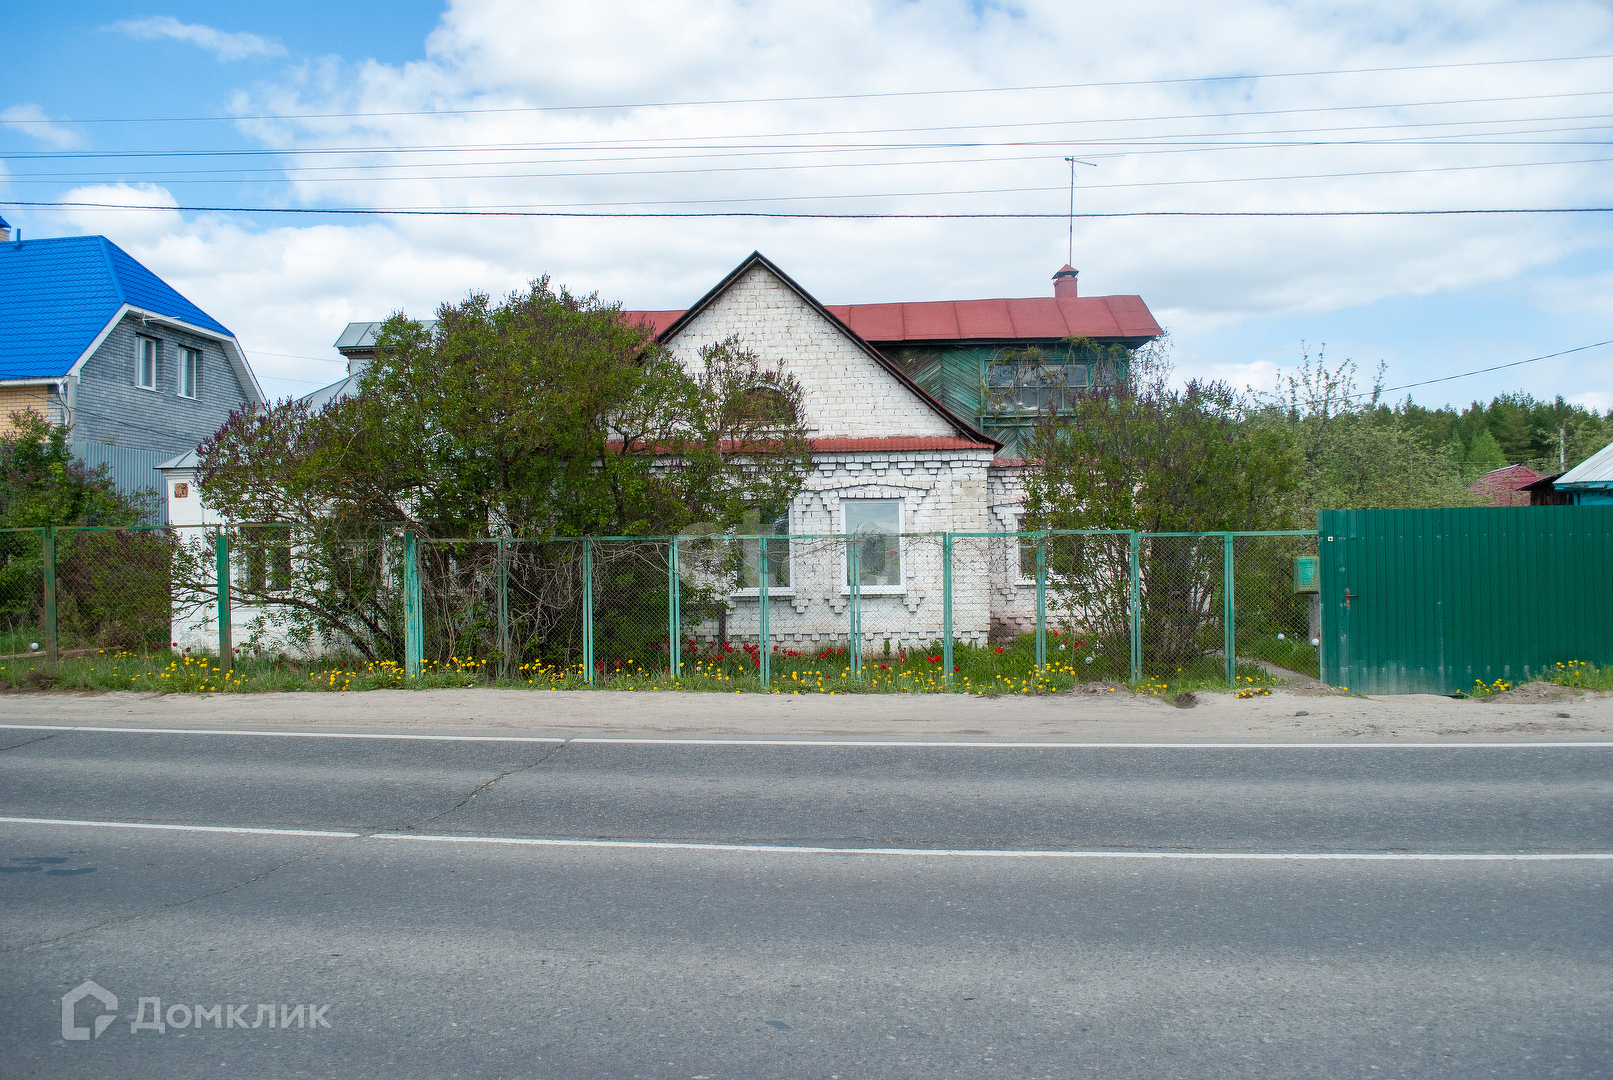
1591	481
92	339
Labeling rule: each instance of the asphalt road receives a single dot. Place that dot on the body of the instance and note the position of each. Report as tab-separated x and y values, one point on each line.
580	909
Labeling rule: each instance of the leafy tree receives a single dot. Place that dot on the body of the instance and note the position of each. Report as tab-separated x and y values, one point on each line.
42	484
544	415
111	584
1150	457
1484	454
1353	451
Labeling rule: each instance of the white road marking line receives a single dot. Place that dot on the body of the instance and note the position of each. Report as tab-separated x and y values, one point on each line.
887	743
288	734
1264	856
792	849
180	828
1099	745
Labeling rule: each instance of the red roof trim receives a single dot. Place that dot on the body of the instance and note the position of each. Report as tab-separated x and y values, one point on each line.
898	444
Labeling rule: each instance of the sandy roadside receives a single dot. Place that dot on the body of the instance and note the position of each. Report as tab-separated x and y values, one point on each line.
1085	717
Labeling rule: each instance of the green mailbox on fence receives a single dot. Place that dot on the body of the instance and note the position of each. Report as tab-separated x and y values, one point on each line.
1307	574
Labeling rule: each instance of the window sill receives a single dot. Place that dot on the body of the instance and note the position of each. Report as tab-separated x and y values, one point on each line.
877	590
755	594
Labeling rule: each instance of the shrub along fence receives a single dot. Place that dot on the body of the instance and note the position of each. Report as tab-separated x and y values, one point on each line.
1118	604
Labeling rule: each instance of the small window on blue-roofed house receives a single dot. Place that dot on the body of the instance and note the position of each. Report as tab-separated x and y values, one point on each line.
145	362
190	372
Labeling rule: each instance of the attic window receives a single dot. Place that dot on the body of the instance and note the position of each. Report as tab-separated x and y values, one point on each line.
145	363
763	406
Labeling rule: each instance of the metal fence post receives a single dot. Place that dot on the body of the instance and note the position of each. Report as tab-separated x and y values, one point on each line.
1041	602
506	665
854	606
48	549
946	606
1136	608
587	610
764	631
413	631
221	568
1228	628
674	614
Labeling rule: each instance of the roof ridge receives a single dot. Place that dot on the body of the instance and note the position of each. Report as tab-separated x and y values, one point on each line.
111	270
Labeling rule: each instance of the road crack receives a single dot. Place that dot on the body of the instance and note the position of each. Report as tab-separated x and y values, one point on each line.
121	919
30	742
479	789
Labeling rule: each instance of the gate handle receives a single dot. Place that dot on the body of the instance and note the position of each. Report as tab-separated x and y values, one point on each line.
1348	596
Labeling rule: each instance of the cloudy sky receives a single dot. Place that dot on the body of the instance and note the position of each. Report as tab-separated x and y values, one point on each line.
875	109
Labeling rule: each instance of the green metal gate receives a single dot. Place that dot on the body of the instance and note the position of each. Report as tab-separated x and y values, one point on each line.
1432	601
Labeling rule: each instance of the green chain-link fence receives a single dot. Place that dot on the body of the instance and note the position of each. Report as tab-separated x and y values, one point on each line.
981	612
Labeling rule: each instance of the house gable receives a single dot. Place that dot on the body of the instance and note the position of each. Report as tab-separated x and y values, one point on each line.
850	390
108	406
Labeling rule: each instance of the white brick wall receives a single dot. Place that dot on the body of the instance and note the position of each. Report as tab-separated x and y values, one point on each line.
848	394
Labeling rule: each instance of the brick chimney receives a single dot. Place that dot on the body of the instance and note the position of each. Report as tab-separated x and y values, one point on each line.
1064	282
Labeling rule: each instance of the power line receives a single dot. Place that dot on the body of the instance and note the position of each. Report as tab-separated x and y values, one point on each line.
243	176
1149	142
669	141
524	213
1482	371
827	97
1190	141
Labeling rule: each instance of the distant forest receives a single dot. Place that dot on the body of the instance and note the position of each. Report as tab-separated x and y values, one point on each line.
1513	429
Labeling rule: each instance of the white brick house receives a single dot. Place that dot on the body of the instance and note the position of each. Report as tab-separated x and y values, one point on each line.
909	436
888	456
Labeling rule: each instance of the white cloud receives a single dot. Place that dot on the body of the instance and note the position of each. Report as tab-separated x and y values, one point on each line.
223	44
31	120
289	288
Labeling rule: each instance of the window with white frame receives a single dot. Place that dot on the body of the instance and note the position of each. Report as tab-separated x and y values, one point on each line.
876	528
145	362
190	372
778	552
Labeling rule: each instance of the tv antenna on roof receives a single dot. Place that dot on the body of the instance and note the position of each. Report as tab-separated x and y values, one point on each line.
1073	163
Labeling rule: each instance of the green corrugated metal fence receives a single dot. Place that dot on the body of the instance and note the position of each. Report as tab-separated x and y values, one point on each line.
1433	601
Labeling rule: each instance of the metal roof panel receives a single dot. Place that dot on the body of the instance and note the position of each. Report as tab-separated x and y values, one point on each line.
1596	469
58	294
1043	317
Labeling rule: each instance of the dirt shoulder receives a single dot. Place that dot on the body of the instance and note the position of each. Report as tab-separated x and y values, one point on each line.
1108	715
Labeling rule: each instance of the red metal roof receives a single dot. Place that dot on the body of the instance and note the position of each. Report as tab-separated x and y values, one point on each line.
1506	486
965	320
657	321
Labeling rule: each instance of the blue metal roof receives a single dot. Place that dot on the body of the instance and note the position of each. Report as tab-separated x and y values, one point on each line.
1595	471
56	295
